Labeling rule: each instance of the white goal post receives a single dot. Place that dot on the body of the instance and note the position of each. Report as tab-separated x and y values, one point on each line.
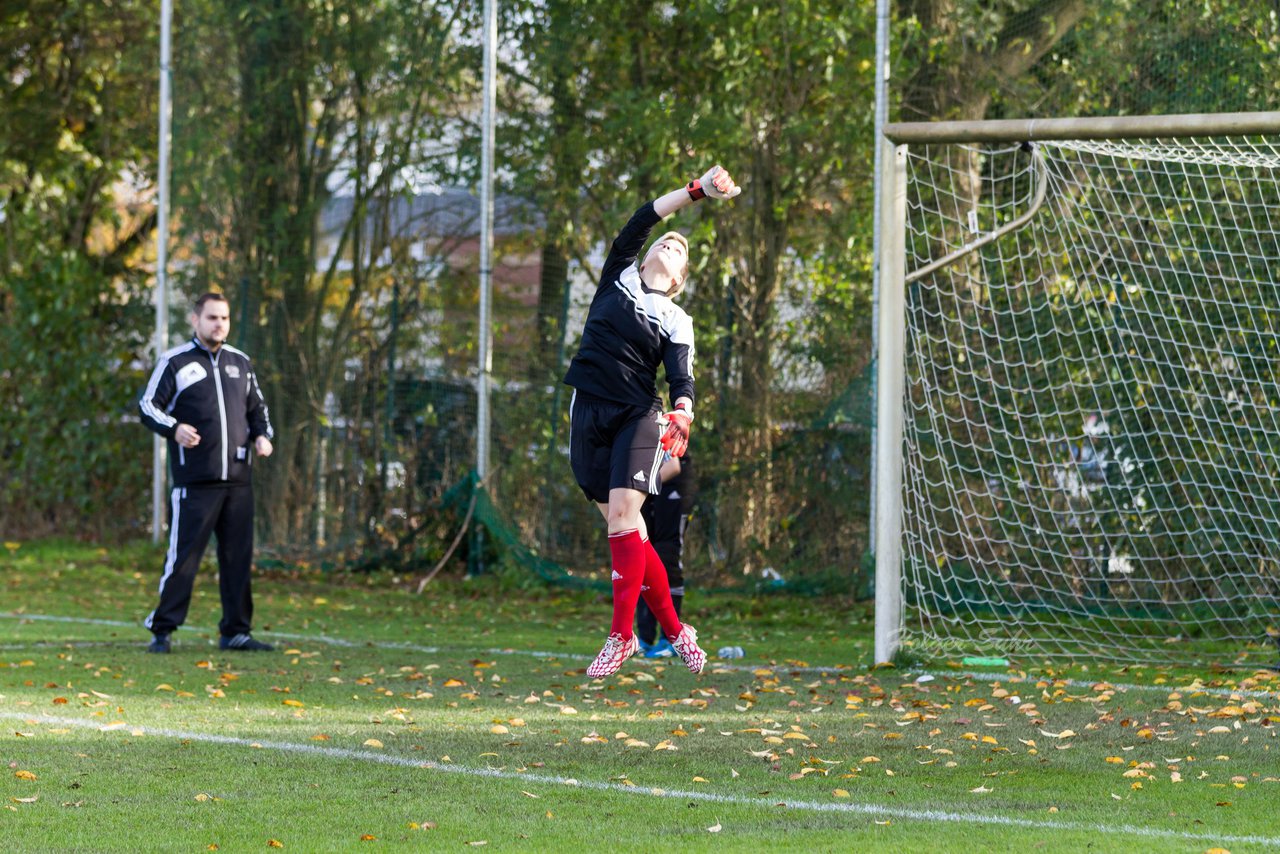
1078	389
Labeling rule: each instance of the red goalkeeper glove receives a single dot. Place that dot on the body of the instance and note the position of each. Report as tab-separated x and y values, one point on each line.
675	440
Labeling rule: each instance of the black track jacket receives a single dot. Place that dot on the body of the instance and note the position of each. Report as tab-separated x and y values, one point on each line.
218	395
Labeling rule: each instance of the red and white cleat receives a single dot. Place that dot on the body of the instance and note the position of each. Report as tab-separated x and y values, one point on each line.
686	644
616	650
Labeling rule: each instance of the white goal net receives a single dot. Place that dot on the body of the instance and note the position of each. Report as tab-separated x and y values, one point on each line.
1090	454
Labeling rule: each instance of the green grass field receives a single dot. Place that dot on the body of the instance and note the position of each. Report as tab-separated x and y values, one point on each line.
463	718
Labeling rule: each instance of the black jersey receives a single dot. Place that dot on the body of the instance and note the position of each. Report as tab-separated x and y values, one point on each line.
631	330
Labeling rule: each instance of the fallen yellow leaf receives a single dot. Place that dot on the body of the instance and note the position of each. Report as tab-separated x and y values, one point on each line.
372	742
25	775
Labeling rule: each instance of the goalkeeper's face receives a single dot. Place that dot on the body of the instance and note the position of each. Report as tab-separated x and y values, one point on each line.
669	256
212	323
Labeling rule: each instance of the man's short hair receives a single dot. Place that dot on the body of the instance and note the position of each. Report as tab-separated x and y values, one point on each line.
211	296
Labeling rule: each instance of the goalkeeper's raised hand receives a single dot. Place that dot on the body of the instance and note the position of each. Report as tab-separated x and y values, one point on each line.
675	440
716	183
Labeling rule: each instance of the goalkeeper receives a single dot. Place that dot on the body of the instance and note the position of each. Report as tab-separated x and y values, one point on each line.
617	430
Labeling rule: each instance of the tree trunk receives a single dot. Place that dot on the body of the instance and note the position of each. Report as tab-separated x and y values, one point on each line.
272	237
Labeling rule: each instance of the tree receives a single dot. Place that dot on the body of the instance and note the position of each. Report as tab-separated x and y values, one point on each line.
655	97
291	102
74	151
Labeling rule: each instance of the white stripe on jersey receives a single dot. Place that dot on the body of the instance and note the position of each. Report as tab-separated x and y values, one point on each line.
149	395
657	308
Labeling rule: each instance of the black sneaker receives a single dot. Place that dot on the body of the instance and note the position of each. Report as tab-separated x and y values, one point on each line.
244	642
159	643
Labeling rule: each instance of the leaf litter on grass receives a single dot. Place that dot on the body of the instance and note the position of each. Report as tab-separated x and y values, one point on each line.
879	734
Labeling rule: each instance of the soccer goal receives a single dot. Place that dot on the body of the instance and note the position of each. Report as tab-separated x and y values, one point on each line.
1078	389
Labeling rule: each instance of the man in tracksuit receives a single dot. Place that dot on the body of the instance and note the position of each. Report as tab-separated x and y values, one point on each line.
204	398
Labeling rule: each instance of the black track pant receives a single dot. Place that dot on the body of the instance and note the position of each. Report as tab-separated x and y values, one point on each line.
196	512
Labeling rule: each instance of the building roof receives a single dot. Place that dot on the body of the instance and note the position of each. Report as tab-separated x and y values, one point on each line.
448	212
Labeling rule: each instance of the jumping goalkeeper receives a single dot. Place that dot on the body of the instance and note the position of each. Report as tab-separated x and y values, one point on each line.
617	429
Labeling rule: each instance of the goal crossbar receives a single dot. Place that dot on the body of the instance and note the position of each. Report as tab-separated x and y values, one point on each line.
1110	127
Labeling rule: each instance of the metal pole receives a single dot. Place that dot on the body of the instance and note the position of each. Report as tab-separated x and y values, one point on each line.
1102	127
882	112
486	239
889	406
486	265
162	261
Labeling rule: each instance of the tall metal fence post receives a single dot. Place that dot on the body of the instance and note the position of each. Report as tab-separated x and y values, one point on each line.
485	372
162	261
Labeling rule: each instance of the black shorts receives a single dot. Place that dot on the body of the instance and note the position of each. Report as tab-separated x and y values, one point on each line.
614	446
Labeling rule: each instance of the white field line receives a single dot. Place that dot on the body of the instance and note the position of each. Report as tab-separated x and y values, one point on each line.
862	809
1007	679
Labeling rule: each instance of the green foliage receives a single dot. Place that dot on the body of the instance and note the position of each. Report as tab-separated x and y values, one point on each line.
630	101
73	308
308	128
72	371
1147	58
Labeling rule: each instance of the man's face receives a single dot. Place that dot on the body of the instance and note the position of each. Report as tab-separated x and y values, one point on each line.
212	323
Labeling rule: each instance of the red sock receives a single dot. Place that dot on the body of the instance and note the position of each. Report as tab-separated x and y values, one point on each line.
628	576
657	592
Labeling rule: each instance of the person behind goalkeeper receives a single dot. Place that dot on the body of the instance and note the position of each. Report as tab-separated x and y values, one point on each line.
666	515
617	429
